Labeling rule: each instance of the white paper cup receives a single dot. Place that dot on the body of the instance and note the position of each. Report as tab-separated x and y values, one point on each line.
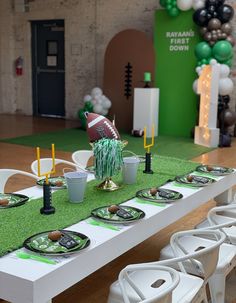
76	184
129	169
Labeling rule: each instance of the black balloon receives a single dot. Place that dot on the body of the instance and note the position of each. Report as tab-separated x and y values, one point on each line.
220	2
201	17
226	28
211	9
214	24
223	101
207	36
224	35
203	30
216	3
226	99
212	12
225	140
225	13
231	40
228	117
211	3
214	37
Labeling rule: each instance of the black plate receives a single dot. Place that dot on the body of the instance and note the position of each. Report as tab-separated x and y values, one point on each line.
196	180
215	170
37	243
103	214
52	181
144	194
14	200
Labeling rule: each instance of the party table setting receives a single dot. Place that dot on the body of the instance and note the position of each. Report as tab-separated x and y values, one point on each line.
49	237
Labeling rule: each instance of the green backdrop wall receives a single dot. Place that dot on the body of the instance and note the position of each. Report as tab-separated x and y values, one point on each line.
175	39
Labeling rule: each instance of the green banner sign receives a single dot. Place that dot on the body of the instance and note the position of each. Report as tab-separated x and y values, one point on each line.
175	39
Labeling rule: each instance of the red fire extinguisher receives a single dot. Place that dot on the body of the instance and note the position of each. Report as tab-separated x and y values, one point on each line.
19	66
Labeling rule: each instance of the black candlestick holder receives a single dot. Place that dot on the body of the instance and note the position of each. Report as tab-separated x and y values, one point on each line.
148	169
47	208
147	84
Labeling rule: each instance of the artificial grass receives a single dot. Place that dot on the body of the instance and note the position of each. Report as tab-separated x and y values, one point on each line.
74	139
19	223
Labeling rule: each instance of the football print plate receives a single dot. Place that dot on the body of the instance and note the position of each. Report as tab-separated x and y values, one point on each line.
194	181
12	200
159	195
214	170
40	243
103	214
55	182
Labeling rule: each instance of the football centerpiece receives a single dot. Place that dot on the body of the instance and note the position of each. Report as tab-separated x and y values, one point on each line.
107	148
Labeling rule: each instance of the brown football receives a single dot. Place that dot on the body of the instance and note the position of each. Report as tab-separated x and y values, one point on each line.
55	235
99	127
59	183
113	209
4	202
153	191
190	178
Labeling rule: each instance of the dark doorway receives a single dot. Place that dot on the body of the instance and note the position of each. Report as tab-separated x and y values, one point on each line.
48	68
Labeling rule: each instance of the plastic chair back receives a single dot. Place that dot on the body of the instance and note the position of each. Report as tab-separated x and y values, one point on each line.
204	259
6	173
159	291
46	165
218	220
81	157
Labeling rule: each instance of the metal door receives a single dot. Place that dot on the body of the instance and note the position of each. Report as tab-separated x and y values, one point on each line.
48	68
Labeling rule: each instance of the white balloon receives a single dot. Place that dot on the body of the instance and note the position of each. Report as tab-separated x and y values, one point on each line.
213	62
198	4
195	86
184	5
106	103
224	71
97	108
96	91
226	86
94	102
104	112
98	99
198	70
87	98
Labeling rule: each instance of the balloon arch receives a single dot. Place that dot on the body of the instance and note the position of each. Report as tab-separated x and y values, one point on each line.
213	18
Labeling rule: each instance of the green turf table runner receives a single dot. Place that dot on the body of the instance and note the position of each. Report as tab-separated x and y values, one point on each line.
74	139
17	224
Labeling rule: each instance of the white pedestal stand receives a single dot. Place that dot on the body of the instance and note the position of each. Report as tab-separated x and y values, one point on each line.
146	109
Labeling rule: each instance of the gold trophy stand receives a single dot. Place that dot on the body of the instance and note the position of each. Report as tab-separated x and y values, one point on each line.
108	184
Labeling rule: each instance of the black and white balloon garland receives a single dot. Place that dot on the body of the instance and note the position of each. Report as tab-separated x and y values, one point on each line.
216	30
213	17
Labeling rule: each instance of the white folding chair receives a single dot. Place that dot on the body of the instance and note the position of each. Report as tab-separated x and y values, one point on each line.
6	173
130	286
81	157
46	165
227	256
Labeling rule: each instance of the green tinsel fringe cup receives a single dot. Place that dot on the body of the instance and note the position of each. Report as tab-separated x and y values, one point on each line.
108	157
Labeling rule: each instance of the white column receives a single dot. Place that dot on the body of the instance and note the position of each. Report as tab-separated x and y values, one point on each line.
146	109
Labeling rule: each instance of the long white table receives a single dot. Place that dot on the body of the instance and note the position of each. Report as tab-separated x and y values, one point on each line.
28	281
